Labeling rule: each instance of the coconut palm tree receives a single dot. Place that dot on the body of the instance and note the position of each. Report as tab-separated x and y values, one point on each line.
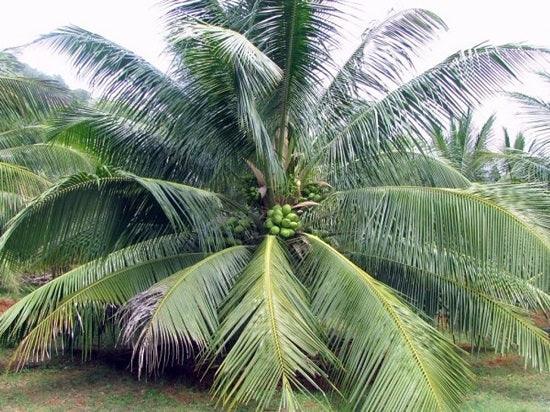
530	162
28	163
522	162
464	147
328	279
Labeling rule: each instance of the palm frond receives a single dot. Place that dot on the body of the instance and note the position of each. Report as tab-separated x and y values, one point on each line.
485	305
21	96
385	54
86	215
407	169
536	113
76	302
178	316
49	160
439	220
120	74
270	334
392	358
15	135
412	109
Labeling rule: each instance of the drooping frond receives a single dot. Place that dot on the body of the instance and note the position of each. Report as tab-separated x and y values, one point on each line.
177	316
75	303
438	220
412	109
406	169
21	96
15	134
481	303
269	333
18	185
385	54
530	202
15	178
86	215
392	358
49	160
25	314
536	113
120	74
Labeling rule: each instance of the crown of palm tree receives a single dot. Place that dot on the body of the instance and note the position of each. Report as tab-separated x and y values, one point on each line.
390	238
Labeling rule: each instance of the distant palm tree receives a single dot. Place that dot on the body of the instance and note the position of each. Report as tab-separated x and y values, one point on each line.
28	164
331	278
465	147
531	163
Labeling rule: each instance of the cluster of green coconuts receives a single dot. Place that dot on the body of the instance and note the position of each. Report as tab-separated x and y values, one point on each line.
282	221
313	192
235	228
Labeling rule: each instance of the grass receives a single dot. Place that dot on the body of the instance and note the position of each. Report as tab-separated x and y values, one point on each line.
105	384
504	385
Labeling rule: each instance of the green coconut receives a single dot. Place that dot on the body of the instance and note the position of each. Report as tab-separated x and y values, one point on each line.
275	230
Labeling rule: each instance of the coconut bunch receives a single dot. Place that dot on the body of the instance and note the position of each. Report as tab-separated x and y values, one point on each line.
315	192
282	221
235	228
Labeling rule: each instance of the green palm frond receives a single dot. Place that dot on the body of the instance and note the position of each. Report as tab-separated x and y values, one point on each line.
411	366
245	74
86	215
21	96
49	160
179	12
18	185
119	73
408	168
485	305
439	220
26	313
15	135
460	81
16	178
77	300
179	315
465	146
270	335
120	142
384	56
536	112
530	202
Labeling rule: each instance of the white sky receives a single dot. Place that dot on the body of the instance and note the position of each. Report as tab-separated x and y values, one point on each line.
136	25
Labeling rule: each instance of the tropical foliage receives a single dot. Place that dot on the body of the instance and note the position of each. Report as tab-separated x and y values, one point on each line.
464	147
258	124
29	164
482	156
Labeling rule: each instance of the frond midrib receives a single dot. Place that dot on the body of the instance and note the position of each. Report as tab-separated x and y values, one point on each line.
391	311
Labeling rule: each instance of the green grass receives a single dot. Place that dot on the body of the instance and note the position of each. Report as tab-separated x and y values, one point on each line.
105	384
504	385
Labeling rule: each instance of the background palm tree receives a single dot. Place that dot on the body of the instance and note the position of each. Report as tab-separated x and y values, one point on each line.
169	255
524	162
28	163
465	147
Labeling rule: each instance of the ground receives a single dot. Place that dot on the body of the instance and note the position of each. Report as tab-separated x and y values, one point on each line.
104	383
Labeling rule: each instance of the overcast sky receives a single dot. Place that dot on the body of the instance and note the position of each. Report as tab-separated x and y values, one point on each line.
136	25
